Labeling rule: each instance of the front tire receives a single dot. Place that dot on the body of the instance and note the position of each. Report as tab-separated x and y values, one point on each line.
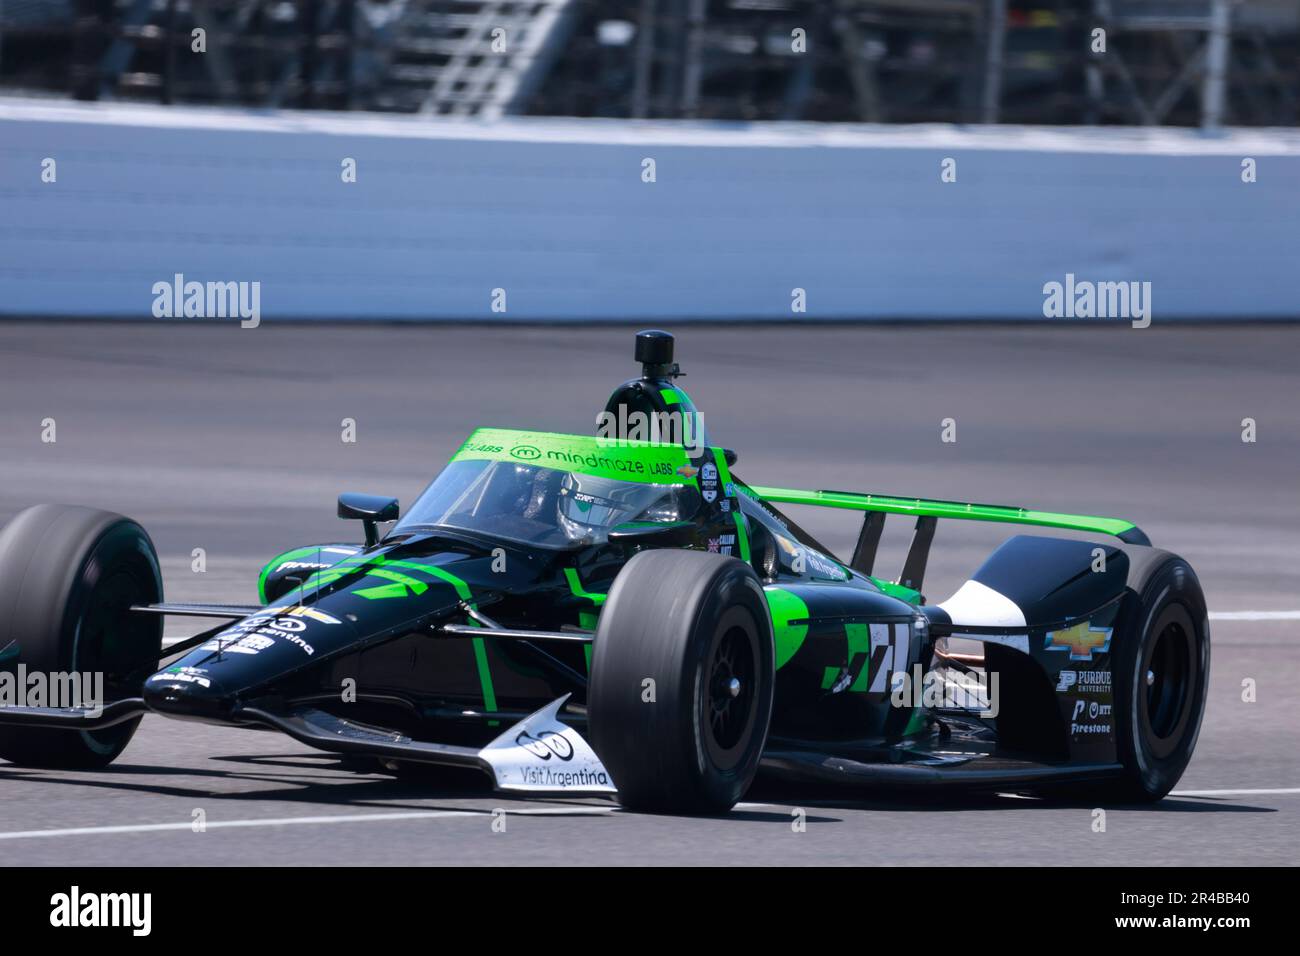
68	578
682	677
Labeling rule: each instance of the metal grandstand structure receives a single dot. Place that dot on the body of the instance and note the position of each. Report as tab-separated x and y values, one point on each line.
1159	62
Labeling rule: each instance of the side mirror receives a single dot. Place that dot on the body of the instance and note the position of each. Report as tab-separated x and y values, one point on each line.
369	509
662	534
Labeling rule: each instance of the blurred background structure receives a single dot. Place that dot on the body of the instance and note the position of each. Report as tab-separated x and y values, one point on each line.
1164	62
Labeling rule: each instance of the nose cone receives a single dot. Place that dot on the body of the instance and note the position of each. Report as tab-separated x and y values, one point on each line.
183	691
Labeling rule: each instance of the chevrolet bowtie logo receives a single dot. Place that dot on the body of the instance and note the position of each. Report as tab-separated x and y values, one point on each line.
1081	640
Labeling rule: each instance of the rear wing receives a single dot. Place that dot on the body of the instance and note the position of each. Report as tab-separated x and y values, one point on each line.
927	512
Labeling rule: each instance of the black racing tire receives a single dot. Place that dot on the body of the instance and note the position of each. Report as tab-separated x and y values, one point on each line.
692	622
68	577
1161	670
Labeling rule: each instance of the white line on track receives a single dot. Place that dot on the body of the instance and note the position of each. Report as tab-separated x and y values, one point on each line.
348	818
1255	615
1234	793
299	821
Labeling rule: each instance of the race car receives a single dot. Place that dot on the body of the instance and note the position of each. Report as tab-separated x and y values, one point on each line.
621	613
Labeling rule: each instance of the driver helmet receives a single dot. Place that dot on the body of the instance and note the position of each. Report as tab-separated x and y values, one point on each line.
587	503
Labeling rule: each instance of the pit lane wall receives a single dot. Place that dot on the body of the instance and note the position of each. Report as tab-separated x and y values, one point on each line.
538	219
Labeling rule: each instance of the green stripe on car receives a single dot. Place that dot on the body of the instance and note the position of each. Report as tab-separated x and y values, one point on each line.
724	477
621	459
402	585
575	585
275	562
946	509
789	622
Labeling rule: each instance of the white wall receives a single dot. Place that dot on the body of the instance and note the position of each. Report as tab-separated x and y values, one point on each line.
556	213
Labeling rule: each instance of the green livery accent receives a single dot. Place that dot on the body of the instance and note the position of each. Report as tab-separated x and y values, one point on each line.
910	595
859	639
402	586
621	459
670	396
275	562
378	566
484	674
586	619
480	647
789	622
575	585
917	723
724	477
946	509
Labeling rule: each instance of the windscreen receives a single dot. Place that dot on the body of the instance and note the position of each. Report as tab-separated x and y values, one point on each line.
542	507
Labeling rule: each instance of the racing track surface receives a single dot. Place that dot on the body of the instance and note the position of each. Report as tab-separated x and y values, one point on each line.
229	440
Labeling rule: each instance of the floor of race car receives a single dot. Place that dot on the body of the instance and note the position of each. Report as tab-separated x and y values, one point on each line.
228	440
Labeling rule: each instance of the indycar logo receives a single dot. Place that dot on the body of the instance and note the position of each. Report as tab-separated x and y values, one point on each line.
1082	640
709	482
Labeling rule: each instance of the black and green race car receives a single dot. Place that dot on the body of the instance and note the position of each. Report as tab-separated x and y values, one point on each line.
624	614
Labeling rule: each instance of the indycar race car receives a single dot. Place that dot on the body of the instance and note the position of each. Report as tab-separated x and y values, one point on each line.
619	613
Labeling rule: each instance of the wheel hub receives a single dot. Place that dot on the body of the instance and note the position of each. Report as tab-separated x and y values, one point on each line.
731	674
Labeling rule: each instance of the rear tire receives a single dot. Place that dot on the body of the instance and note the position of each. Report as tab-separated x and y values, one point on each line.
1161	669
698	626
68	577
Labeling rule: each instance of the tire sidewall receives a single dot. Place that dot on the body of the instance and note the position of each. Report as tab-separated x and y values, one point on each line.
731	605
1171	594
123	548
665	614
54	559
